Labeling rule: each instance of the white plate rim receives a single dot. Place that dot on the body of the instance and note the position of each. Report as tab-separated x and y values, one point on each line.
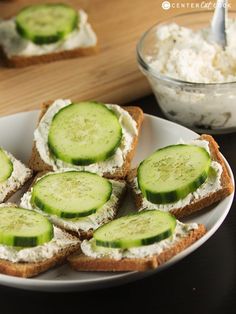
86	284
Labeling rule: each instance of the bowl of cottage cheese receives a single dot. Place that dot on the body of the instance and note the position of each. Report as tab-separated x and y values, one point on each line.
193	78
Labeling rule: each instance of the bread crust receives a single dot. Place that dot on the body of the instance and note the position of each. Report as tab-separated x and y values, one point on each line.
196	205
24	269
81	262
23	61
12	192
37	164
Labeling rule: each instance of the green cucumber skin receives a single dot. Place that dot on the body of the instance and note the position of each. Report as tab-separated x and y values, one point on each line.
23	241
33	241
10	168
44	40
36	202
82	161
125	244
171	196
38	40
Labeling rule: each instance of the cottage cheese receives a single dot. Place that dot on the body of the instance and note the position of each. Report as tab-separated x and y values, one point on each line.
190	56
129	130
89	248
18	177
60	241
15	45
106	213
211	185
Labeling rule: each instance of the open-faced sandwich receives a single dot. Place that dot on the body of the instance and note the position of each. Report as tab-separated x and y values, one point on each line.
89	136
30	244
46	32
137	242
82	152
13	175
182	178
76	201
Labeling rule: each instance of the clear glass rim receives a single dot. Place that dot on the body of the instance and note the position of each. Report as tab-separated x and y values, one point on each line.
169	79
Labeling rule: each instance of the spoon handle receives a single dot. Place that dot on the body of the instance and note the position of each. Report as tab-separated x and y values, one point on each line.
218	27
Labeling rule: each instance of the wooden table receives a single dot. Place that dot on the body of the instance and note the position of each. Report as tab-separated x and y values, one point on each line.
112	75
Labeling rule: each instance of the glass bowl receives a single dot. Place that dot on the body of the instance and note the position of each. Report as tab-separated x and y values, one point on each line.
209	108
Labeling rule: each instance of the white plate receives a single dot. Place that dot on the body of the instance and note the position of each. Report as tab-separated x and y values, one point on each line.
16	134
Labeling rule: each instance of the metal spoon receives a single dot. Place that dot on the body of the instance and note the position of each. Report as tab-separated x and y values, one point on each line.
218	33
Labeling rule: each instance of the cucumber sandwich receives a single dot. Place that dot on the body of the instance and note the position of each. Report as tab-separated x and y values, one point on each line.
13	175
182	178
76	201
46	32
88	136
138	242
29	243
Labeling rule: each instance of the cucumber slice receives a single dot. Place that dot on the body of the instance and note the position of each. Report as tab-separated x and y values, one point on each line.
46	23
171	173
143	228
6	166
23	228
71	194
84	133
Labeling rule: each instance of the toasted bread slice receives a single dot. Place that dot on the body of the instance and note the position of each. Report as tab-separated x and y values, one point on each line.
30	269
196	204
37	164
14	59
73	229
23	61
23	269
81	262
33	268
20	175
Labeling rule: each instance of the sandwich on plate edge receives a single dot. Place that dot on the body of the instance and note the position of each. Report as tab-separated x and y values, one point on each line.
30	244
136	242
13	175
182	179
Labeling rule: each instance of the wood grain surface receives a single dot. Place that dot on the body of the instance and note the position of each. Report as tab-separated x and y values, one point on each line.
112	75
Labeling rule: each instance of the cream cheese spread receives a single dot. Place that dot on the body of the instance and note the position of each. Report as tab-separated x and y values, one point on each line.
211	185
18	177
15	45
89	248
192	56
129	130
104	214
60	241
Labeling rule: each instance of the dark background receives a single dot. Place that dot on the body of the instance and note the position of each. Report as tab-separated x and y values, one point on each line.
203	282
